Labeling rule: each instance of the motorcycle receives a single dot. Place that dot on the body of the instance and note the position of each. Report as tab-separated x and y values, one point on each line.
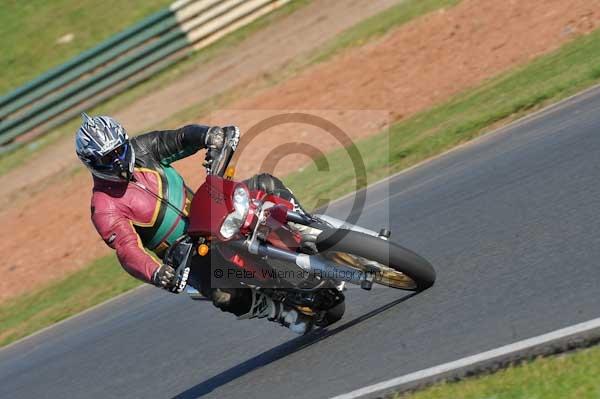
272	245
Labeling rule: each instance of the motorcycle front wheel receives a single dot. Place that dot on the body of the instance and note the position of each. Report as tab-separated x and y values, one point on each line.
395	266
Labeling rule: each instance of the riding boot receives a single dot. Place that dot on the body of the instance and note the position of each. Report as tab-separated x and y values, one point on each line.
263	306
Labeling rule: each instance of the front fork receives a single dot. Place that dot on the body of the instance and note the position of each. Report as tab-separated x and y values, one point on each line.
340	224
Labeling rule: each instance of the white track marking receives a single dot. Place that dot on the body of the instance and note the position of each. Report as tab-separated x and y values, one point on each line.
474	360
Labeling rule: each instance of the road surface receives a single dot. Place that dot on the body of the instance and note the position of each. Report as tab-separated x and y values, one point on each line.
511	223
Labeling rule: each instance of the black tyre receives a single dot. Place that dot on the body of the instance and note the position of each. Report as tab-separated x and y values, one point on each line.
400	267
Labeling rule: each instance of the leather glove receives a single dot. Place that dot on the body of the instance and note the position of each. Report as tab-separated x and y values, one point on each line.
164	277
215	138
233	134
167	277
232	129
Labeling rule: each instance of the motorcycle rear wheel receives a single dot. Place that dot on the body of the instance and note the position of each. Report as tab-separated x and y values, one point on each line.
397	267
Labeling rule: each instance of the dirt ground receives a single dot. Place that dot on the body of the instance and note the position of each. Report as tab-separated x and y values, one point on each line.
412	68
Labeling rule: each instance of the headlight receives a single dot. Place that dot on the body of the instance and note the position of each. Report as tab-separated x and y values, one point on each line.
233	221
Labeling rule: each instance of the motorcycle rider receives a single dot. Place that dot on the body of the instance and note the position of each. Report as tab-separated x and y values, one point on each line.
140	204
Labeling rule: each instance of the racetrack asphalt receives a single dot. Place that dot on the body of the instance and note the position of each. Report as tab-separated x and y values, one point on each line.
511	222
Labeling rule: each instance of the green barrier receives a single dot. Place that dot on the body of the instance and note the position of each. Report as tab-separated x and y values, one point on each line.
59	101
85	56
90	87
99	59
68	115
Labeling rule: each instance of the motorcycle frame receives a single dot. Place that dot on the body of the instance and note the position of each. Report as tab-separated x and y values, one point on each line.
265	230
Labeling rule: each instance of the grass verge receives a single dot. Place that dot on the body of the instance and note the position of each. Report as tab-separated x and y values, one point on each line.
547	79
573	375
31	30
100	281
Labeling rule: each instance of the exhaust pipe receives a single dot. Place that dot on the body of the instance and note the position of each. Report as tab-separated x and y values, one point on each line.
312	264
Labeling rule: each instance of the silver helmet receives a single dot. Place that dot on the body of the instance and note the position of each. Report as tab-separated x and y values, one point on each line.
103	146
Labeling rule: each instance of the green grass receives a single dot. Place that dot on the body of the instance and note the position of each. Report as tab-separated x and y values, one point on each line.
100	281
29	31
573	375
25	315
547	79
20	155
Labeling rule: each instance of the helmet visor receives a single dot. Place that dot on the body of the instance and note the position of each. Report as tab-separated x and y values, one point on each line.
119	153
116	162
